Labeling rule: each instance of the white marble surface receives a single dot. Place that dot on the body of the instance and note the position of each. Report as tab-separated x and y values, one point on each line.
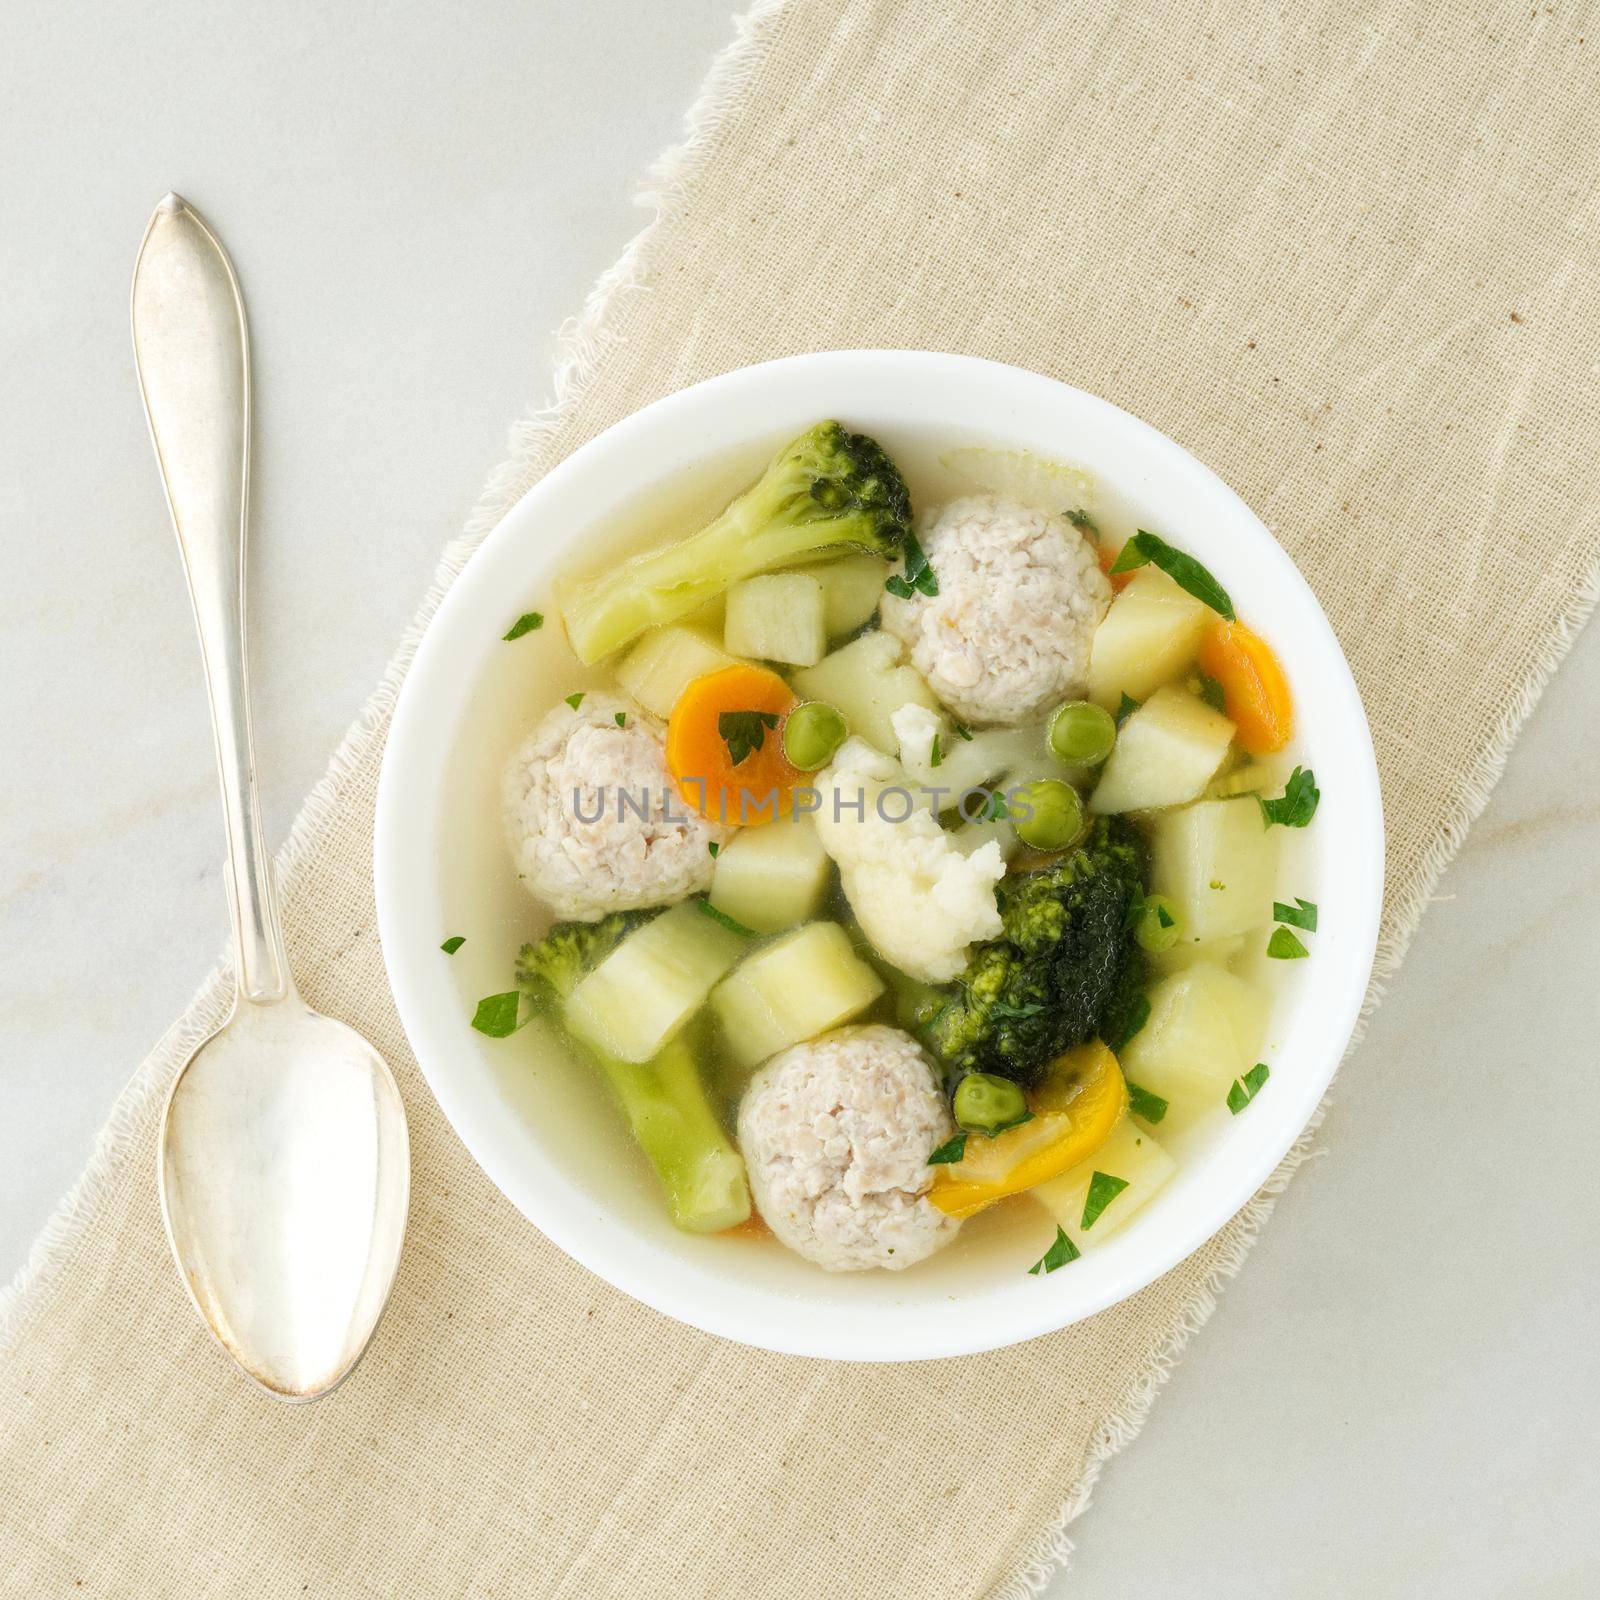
1396	1399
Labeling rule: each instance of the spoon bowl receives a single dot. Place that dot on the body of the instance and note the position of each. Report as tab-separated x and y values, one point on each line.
283	1172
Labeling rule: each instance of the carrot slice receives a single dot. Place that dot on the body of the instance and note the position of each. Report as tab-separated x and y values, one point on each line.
725	745
1254	688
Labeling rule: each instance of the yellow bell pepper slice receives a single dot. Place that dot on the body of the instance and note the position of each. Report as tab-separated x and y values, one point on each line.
1075	1107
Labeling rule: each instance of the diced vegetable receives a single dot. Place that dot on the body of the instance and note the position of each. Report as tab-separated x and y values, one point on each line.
868	679
1076	1105
1164	755
725	745
658	669
671	1116
778	617
1253	685
652	983
794	989
1205	1029
852	589
1249	777
1130	1154
771	878
1149	635
1188	950
1218	865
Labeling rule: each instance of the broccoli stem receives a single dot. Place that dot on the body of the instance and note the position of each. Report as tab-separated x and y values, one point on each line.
665	1102
603	613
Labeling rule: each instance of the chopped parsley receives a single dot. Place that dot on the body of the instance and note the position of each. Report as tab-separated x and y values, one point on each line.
1081	519
1245	1089
951	1151
453	943
1210	690
744	732
713	849
1104	1187
1183	569
575	700
936	754
919	578
730	923
526	623
1126	707
1302	914
1297	805
620	718
1285	945
497	1014
994	808
964	732
1149	1107
1058	1255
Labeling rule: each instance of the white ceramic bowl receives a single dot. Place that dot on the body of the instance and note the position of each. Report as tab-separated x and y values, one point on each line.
534	1121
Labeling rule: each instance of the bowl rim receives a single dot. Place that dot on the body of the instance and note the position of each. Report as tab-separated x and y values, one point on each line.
555	1206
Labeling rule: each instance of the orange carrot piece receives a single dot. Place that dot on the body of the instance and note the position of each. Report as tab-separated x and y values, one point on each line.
1254	688
1105	555
755	789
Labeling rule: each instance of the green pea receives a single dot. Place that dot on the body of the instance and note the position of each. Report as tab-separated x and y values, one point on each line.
989	1105
812	733
1048	813
1081	734
1158	927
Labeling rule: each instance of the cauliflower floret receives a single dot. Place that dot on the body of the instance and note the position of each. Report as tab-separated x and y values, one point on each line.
1020	595
918	898
836	1135
572	795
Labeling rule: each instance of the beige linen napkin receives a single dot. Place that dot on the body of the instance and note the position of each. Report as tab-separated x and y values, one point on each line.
1347	253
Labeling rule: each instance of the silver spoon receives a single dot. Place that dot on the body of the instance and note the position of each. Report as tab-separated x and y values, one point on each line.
283	1160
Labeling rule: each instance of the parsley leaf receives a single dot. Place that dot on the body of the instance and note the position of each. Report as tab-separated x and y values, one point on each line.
920	578
1104	1187
936	754
1245	1089
453	943
951	1151
1149	1107
1302	914
1081	519
1126	707
963	732
1285	945
526	623
1211	692
727	922
713	849
994	808
1058	1255
744	732
575	700
620	718
1183	569
497	1014
1297	805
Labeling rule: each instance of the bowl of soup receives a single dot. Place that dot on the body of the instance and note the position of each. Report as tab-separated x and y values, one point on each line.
879	855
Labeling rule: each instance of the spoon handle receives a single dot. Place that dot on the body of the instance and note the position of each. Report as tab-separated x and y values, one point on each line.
192	349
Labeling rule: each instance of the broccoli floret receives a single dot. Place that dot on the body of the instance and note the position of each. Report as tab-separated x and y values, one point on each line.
1065	969
829	490
663	1099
